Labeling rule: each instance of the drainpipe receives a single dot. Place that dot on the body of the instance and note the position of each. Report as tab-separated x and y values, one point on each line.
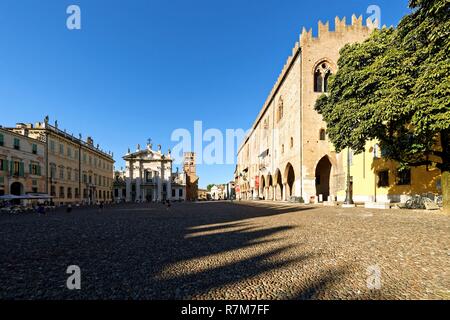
301	128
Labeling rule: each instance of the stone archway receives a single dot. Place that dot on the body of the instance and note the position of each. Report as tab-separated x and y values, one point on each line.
262	188
278	186
289	176
323	174
16	189
269	187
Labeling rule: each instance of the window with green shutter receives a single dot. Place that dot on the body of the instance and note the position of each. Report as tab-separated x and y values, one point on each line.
35	169
16	143
21	169
2	181
3	165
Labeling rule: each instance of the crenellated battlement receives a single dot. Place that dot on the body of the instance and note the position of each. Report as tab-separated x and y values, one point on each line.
340	26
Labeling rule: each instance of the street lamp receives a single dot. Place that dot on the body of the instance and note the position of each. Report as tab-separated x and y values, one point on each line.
348	195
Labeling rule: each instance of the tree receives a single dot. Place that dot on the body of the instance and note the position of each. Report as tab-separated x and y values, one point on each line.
395	88
209	187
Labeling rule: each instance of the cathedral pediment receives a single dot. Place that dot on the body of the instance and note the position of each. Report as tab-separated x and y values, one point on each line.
146	154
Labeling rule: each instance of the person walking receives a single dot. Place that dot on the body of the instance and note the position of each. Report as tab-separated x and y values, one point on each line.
41	210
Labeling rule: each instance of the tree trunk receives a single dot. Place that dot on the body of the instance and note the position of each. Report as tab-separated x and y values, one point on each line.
445	170
446	190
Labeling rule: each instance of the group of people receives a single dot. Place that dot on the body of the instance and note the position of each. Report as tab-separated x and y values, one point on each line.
42	208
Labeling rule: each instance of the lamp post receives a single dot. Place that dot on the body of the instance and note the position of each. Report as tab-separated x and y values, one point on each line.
348	195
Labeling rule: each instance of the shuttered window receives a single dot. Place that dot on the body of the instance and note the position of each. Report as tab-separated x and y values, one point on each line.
16	144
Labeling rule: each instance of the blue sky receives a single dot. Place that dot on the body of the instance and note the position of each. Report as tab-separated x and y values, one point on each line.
140	69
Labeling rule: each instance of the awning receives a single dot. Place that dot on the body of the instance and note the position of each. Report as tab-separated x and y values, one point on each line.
33	196
264	154
9	197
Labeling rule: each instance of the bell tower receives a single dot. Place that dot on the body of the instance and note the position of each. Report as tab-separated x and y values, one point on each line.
190	169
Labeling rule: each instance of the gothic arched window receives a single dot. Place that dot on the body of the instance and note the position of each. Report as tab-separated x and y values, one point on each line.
325	81
322	135
322	74
280	109
318	80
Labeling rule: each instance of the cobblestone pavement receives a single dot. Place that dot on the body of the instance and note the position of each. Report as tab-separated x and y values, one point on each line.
218	250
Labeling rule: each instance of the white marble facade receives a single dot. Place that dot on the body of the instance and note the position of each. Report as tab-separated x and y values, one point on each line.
149	176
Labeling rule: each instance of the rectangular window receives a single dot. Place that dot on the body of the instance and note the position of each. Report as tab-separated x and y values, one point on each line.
52	146
16	143
61	173
404	177
61	149
61	192
2	181
52	171
53	191
383	178
84	158
34	148
17	169
2	141
173	192
69	152
3	165
180	193
35	169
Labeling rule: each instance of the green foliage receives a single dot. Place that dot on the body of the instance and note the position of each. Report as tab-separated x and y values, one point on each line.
209	187
395	88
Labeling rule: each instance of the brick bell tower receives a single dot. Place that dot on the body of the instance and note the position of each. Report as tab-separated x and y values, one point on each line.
189	168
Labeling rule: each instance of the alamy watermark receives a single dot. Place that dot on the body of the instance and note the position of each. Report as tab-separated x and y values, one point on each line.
373	280
74	280
73	21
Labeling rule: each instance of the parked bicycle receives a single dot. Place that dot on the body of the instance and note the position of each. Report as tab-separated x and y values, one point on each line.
439	201
418	202
427	201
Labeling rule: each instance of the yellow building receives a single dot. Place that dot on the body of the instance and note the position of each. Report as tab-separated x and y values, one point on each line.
375	179
22	164
78	171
